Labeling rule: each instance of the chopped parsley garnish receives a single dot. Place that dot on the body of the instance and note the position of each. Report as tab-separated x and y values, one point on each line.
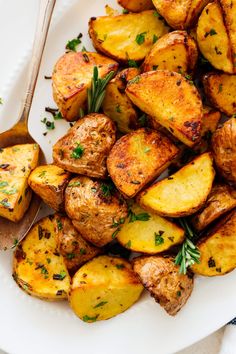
15	243
135	80
146	149
159	240
107	189
120	266
113	236
48	124
125	12
102	303
70	256
60	276
87	318
128	244
118	110
154	39
42	174
82	251
220	88
142	120
10	191
77	152
212	32
140	38
178	293
59	224
5	203
73	43
138	217
58	116
3	184
74	184
132	63
118	223
83	49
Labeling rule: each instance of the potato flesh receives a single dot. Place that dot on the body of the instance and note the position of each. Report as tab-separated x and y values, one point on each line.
139	157
174	12
175	51
171	100
136	5
103	288
36	262
182	193
221	90
72	77
218	250
16	163
117	36
151	236
49	182
117	105
212	38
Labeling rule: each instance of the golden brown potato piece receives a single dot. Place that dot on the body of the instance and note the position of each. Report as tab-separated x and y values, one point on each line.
126	37
84	149
170	99
96	209
136	5
175	51
221	200
216	35
224	150
161	277
182	193
138	158
37	267
117	105
19	160
180	14
72	77
210	120
148	232
16	163
221	91
49	182
218	248
71	245
103	288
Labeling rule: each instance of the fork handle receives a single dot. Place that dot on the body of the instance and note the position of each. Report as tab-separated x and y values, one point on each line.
44	18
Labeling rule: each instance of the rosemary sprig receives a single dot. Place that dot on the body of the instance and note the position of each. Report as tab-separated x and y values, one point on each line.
188	253
96	93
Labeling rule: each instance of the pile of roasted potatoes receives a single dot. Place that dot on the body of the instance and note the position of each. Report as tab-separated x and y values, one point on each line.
170	106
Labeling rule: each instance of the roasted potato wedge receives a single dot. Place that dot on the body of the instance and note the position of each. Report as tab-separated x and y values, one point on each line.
182	14
16	163
71	245
37	267
182	193
170	99
221	91
136	5
19	160
210	121
72	77
218	249
161	277
216	36
224	150
103	288
138	158
96	209
148	232
126	37
15	197
117	105
221	200
84	149
49	182
175	51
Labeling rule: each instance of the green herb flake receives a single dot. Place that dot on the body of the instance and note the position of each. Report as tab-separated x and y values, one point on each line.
15	243
74	184
132	63
42	174
159	240
178	293
5	203
154	39
59	224
212	32
125	12
100	304
48	124
120	266
113	236
87	318
57	116
77	153
118	110
128	244
83	49
82	251
118	223
70	256
107	189
9	192
73	43
146	150
140	38
143	120
138	217
135	80
3	184
60	276
44	270
220	88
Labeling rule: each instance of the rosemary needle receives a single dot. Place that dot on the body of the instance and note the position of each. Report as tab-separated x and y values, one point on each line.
189	253
96	92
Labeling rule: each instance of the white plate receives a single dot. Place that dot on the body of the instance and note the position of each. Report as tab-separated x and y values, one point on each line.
29	325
